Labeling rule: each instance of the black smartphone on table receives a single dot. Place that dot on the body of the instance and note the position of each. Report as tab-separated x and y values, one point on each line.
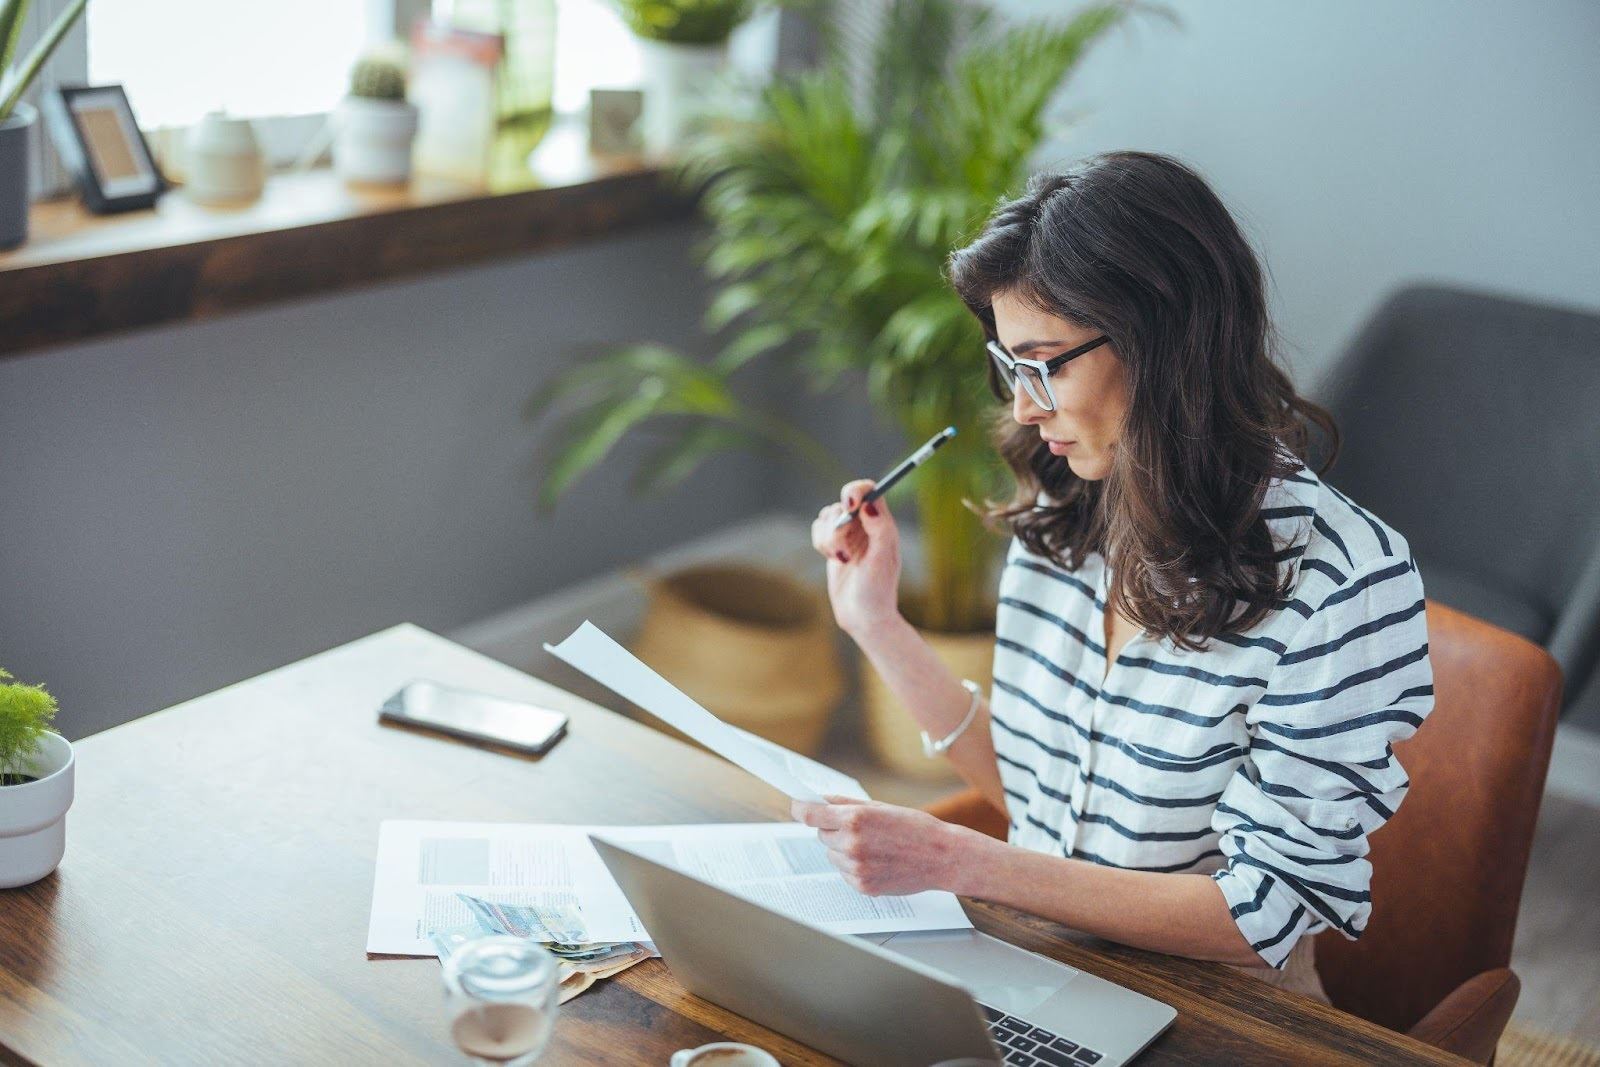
471	716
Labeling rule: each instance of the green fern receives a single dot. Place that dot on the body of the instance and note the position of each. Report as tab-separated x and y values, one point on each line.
830	221
26	712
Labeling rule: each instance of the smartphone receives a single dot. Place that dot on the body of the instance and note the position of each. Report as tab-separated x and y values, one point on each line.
473	716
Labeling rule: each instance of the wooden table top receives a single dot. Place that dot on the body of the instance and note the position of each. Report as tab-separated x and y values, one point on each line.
212	907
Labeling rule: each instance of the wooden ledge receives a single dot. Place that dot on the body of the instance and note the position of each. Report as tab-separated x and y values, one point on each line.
81	275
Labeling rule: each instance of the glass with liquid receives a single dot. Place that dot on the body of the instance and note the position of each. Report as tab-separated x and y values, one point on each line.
500	996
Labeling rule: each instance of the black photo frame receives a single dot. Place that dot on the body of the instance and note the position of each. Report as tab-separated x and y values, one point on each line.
95	133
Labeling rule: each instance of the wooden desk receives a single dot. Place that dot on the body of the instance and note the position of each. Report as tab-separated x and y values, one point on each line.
213	904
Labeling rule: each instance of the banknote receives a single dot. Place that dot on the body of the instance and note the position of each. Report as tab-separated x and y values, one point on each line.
559	924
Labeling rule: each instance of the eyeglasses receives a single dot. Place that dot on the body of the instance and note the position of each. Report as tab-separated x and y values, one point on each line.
1034	374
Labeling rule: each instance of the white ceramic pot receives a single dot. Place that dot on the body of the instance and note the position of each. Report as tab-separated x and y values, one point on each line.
33	816
676	78
372	140
223	161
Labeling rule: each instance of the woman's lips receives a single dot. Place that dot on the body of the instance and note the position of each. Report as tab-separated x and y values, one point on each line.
1058	448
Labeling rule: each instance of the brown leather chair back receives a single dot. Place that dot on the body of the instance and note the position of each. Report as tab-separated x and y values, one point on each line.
1448	868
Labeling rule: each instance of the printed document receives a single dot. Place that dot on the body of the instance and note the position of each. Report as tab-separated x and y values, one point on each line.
423	865
590	650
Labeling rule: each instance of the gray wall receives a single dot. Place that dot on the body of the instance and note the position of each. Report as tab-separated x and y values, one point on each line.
1365	143
187	506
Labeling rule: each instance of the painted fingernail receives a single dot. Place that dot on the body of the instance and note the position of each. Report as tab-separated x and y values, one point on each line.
872	509
842	558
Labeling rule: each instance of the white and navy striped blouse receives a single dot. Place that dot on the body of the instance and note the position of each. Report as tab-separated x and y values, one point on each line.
1264	759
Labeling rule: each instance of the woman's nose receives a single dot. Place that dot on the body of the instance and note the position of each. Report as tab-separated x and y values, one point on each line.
1025	410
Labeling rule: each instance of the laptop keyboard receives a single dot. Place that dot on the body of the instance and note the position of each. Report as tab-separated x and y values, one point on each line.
1025	1045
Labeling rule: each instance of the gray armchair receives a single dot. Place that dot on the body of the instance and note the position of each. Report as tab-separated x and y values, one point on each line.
1472	424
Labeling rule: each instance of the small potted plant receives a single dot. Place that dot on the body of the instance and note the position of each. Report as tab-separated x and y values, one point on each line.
36	775
374	127
684	46
17	118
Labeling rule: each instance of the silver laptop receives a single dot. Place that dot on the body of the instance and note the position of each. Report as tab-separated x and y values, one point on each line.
901	1000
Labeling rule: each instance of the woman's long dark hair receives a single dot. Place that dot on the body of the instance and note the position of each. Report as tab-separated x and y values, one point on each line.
1137	246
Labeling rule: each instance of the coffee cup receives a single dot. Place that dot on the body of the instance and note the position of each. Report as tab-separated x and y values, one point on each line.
723	1054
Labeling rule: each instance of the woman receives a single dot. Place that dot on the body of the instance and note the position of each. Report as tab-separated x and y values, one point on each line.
1203	652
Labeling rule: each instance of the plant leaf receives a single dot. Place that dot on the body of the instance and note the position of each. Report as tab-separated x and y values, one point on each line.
13	13
590	444
669	467
17	84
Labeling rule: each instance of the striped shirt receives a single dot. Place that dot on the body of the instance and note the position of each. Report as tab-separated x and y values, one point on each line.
1263	760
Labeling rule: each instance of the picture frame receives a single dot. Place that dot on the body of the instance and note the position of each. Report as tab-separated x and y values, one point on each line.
97	137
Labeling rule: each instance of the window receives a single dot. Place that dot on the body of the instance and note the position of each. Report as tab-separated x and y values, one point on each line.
284	65
179	59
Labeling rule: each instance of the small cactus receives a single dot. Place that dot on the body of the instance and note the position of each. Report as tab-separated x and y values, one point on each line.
379	76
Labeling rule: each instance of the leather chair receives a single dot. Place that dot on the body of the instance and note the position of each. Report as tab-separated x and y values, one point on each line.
1448	868
1469	423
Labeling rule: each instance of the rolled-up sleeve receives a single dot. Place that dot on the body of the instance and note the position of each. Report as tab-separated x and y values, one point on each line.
1321	774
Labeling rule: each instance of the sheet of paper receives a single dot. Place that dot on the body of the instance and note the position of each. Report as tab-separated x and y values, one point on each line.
421	866
591	651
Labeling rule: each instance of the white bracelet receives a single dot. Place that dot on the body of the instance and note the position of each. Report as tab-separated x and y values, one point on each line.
932	748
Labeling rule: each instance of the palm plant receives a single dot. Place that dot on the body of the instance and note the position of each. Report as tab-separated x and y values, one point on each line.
832	211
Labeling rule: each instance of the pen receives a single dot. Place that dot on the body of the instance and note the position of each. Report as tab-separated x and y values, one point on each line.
906	466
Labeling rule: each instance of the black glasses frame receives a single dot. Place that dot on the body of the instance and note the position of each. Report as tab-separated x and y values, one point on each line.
1044	368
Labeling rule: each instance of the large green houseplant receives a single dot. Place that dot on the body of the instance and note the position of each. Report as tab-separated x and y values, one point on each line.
831	219
833	205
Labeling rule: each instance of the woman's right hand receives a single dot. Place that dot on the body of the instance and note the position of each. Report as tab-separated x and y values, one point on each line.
863	560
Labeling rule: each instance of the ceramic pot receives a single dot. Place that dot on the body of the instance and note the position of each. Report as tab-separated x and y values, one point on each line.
14	175
372	140
224	161
676	78
33	816
754	646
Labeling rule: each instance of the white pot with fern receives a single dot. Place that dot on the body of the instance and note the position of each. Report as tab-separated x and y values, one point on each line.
375	126
36	784
18	120
683	52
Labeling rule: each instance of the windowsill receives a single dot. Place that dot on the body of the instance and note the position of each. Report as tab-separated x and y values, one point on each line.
81	275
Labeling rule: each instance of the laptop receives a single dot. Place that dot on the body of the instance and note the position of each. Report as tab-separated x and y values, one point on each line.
900	1000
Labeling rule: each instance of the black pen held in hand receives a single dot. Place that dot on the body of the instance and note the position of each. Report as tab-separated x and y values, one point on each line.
907	465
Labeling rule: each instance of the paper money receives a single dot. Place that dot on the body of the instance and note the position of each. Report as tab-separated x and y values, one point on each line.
581	964
572	983
558	924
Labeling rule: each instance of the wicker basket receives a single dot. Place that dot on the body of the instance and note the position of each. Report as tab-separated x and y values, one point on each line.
895	736
754	646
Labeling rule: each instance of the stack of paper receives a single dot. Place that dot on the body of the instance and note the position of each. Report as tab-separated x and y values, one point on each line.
422	866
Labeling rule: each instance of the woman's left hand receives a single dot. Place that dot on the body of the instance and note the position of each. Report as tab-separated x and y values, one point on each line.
882	849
